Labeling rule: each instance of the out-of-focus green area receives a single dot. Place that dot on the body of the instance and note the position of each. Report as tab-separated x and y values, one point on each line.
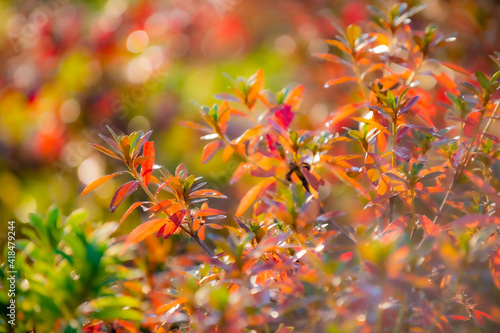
68	68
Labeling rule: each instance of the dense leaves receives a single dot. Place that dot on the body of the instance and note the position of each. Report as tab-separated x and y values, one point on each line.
379	217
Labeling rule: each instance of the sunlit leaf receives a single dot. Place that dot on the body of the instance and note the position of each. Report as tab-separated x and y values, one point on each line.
429	227
147	166
127	213
473	221
249	198
210	150
105	151
141	232
123	192
98	182
495	266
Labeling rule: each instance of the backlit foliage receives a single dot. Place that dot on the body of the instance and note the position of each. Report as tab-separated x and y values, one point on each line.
422	256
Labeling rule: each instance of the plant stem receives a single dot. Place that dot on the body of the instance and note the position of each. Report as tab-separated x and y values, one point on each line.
362	87
393	164
413	222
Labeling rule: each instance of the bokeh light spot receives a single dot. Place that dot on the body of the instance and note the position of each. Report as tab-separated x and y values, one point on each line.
90	169
138	123
137	41
285	45
70	110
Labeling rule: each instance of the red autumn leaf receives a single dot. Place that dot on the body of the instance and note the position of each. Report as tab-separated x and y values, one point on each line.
458	318
473	221
429	227
98	182
346	257
199	227
172	225
252	195
446	81
141	232
123	192
480	315
495	266
147	166
312	179
400	223
210	150
283	116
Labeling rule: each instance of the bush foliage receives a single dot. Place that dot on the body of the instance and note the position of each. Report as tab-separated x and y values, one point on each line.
409	245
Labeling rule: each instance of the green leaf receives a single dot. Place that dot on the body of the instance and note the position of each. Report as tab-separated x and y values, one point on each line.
391	99
114	302
494	77
123	314
53	217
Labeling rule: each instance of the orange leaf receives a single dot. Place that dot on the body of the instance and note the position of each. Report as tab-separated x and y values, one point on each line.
147	166
255	87
134	206
252	195
471	123
175	303
429	227
205	193
105	151
456	68
195	126
98	182
343	113
209	212
210	150
224	115
341	80
124	191
161	206
172	225
141	232
227	153
473	221
294	97
446	81
199	227
339	45
495	266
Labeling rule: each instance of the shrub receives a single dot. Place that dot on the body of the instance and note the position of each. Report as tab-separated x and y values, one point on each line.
412	244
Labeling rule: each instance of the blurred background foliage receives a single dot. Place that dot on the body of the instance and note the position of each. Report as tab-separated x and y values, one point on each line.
68	68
